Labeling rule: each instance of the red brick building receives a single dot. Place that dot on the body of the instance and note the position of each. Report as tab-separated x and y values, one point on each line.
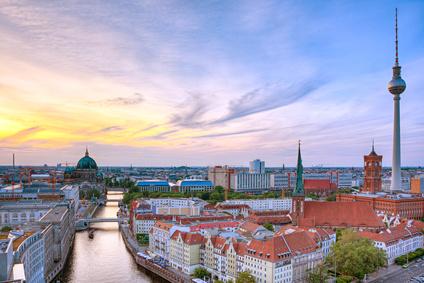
406	207
372	169
319	186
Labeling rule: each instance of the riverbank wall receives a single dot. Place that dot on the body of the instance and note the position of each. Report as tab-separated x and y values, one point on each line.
134	249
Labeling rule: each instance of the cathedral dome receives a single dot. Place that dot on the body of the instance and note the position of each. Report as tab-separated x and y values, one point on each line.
86	162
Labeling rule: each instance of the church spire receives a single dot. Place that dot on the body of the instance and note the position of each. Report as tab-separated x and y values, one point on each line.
86	151
299	190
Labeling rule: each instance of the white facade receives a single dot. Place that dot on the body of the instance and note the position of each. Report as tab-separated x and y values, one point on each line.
143	226
159	240
31	254
6	258
264	204
400	247
283	181
176	202
72	193
17	213
251	182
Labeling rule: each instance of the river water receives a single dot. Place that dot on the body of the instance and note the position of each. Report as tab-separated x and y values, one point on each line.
105	257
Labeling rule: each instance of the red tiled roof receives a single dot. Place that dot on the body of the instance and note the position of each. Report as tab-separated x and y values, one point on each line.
268	212
394	234
278	219
151	216
249	226
188	238
163	225
282	247
340	214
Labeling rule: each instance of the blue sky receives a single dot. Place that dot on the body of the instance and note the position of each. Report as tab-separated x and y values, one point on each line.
207	82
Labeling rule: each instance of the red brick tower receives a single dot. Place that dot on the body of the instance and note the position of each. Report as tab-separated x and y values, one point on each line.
372	169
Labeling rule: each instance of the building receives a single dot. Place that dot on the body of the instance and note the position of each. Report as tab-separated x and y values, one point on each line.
396	86
320	187
159	237
274	217
30	253
399	240
59	235
257	166
417	185
262	204
282	181
234	209
222	176
143	223
331	215
184	254
329	181
71	193
86	169
6	257
192	185
254	183
405	205
373	167
154	186
22	212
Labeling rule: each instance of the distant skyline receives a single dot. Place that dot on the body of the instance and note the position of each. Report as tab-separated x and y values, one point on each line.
171	83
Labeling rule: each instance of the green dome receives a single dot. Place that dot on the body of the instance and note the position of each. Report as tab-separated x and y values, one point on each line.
87	162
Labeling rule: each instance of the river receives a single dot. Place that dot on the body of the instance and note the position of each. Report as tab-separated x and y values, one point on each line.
105	257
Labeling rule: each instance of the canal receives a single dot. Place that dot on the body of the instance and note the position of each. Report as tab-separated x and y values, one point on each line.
105	257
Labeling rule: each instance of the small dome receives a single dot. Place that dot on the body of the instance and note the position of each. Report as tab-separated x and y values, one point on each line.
87	162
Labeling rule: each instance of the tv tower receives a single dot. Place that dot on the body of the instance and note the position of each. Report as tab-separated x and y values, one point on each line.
396	86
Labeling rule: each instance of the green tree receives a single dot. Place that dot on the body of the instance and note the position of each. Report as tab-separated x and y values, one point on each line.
269	227
355	256
318	274
143	239
201	273
6	229
245	277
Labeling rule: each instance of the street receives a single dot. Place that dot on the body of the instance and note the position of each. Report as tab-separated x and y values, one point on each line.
403	274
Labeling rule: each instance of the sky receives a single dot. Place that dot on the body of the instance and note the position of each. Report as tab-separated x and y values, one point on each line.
169	83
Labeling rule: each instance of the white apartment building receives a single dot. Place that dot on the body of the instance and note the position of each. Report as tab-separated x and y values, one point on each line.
159	238
283	181
405	184
20	212
31	254
72	193
397	241
255	183
184	254
6	258
175	202
263	204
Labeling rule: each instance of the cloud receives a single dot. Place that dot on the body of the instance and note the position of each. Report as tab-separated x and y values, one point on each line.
161	135
191	112
21	135
265	99
111	129
231	133
135	99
